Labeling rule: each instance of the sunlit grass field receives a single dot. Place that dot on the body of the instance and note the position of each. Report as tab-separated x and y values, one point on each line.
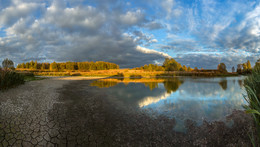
126	73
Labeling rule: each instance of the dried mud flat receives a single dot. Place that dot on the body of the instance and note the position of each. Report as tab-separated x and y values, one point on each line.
69	112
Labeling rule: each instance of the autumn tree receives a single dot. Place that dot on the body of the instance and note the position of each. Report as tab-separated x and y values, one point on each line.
35	65
185	68
248	65
27	65
189	69
31	65
222	68
23	65
244	67
70	66
171	65
53	66
43	66
62	66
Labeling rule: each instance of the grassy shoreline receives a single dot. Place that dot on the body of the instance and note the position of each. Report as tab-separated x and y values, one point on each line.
128	73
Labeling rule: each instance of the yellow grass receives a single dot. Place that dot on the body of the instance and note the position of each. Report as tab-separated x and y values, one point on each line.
124	73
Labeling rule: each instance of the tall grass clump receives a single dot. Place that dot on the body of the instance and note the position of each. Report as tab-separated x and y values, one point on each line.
252	87
9	78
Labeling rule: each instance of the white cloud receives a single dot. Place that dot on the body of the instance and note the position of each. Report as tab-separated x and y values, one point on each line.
150	51
132	17
74	19
18	10
151	100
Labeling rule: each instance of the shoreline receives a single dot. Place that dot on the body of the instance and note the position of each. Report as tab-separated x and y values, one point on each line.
128	73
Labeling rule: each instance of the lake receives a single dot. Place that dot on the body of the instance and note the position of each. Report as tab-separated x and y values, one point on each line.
181	98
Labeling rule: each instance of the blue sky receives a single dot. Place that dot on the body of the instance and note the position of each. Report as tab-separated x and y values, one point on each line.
197	33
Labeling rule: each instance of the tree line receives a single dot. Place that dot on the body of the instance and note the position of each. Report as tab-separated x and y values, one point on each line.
169	64
68	66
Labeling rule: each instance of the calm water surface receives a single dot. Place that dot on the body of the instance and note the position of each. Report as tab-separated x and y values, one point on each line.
182	98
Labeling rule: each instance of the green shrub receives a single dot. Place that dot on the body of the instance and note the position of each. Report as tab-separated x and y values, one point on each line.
10	79
252	87
120	74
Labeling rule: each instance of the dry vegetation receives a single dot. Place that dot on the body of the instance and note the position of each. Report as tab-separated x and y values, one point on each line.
127	73
9	78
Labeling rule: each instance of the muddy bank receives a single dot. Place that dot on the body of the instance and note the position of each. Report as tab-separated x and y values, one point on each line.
56	112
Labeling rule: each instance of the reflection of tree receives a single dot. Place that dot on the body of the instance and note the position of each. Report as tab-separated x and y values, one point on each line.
151	85
223	84
172	85
104	84
240	82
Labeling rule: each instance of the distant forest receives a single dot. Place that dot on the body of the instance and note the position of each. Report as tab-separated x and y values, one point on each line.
68	66
169	64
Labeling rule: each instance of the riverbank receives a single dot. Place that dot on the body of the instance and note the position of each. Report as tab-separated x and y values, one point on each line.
68	111
129	73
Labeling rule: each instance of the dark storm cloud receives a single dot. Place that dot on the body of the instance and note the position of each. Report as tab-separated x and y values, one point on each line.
76	33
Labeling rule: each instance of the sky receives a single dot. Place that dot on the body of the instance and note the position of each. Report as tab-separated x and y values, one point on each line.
131	33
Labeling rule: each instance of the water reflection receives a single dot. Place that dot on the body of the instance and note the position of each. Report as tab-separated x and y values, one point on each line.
183	98
170	84
223	84
240	82
104	84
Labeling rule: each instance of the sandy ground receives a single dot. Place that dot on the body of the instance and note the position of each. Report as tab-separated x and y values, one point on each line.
68	112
